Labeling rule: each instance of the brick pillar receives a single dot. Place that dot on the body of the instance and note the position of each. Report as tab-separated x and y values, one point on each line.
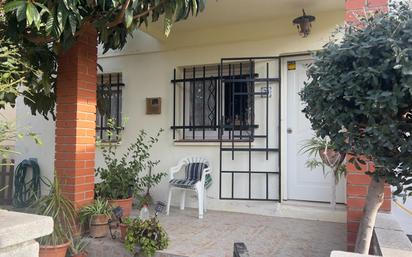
76	118
357	180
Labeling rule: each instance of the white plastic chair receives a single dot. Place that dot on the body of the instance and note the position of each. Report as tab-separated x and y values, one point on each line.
193	181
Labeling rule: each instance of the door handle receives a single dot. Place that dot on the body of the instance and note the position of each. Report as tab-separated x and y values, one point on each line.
289	131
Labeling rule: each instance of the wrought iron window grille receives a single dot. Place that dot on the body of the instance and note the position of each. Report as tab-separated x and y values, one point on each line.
109	107
200	93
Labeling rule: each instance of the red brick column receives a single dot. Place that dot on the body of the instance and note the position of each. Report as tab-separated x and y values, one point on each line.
76	119
357	180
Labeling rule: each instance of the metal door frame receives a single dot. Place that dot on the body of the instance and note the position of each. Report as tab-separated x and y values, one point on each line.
251	79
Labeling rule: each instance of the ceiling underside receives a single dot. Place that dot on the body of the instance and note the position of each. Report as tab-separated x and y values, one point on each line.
227	12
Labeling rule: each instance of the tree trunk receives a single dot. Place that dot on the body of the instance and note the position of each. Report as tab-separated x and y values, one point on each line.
374	200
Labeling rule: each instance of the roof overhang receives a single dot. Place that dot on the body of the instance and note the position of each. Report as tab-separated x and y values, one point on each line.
229	12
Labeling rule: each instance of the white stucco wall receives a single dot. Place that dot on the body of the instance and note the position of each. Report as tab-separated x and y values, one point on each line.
8	114
27	148
147	67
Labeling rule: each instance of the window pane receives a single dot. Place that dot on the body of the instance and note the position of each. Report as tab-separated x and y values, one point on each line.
205	104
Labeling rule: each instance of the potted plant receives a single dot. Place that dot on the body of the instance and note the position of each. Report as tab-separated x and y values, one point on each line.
148	182
64	216
78	247
121	178
329	157
97	216
145	237
123	228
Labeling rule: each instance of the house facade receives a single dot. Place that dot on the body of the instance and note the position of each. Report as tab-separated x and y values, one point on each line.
228	85
224	85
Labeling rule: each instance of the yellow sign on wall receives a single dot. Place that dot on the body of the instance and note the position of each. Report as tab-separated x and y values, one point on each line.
292	65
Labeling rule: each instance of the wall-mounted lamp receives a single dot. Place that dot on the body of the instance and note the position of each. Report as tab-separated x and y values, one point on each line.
303	23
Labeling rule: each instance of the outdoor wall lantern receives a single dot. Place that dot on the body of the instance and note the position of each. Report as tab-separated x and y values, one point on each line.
303	23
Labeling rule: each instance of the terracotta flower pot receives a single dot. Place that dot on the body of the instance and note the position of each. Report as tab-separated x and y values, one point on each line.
80	255
99	226
54	250
125	204
123	231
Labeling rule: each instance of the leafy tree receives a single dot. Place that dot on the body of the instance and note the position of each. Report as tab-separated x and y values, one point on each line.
13	71
45	28
24	63
360	96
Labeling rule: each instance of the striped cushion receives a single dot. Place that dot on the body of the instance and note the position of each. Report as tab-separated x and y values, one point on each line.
182	182
193	174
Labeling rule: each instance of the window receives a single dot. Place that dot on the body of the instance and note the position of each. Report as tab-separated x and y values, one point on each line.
109	106
205	93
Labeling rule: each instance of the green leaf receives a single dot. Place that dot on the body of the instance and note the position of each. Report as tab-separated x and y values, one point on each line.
11	6
32	15
128	17
168	20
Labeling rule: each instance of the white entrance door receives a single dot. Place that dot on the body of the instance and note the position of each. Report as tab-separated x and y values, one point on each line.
303	183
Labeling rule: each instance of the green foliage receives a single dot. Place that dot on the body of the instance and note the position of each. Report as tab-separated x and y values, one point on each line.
61	210
26	69
98	207
122	177
9	134
360	94
42	29
315	147
149	235
78	245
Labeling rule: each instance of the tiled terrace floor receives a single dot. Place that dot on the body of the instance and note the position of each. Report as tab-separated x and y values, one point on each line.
264	236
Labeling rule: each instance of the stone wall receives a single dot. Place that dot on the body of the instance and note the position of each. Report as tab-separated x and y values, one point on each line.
18	231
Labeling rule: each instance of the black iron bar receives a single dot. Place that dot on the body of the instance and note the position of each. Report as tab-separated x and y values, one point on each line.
250	169
267	111
241	98
227	79
219	120
118	118
174	104
252	70
251	79
233	120
191	79
184	103
102	114
204	101
279	125
194	102
219	104
110	101
244	127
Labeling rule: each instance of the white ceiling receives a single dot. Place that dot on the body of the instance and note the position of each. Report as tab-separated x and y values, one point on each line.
225	12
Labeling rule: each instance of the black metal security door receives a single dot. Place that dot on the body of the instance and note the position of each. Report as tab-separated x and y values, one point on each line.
249	125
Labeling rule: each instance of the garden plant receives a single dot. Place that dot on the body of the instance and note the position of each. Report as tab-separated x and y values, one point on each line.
42	30
360	96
